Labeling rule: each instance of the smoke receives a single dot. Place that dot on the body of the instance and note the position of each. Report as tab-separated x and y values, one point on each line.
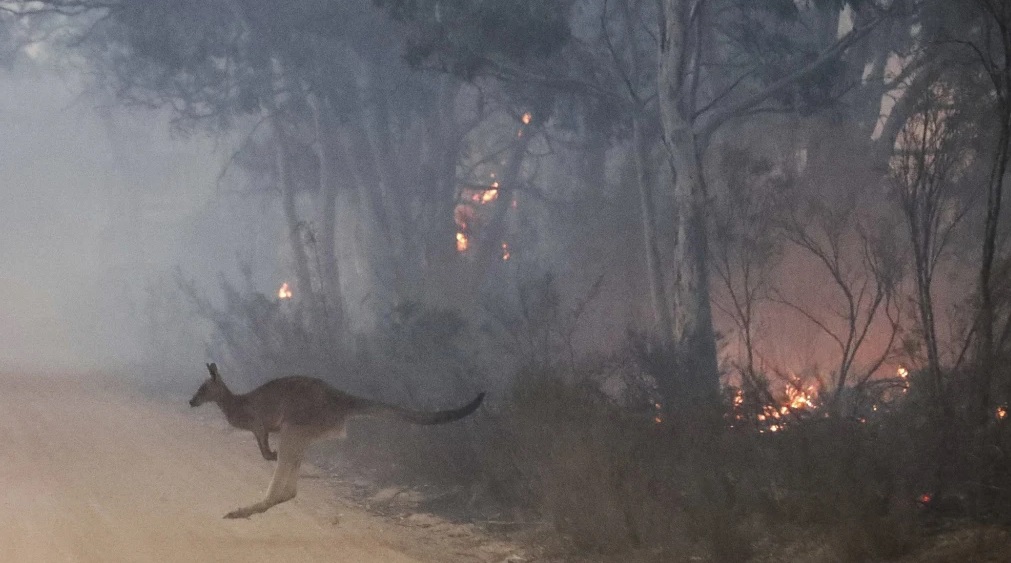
96	203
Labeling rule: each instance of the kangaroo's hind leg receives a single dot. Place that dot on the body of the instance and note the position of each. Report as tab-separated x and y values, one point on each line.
291	447
263	442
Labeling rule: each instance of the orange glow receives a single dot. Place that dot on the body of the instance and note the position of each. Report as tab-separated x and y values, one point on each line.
902	372
284	292
490	195
505	251
1001	413
462	242
526	118
924	498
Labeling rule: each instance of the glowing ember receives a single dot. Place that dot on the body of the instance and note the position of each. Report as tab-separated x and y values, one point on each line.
505	251
490	195
462	242
902	372
925	498
1001	413
526	118
284	292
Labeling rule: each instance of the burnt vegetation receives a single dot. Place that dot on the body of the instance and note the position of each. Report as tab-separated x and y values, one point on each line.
734	272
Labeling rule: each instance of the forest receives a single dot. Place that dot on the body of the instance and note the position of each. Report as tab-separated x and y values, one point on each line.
735	274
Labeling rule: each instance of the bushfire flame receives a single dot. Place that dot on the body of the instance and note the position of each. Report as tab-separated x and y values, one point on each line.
284	292
777	416
799	399
462	242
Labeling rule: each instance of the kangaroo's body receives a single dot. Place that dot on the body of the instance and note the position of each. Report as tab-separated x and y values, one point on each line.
300	410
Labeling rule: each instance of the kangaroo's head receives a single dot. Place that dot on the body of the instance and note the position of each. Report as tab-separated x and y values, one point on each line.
211	390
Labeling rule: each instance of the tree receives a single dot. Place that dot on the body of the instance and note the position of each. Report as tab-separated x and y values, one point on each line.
993	54
925	167
746	249
688	124
865	269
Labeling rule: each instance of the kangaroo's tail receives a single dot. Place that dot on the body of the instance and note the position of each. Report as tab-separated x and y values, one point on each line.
375	408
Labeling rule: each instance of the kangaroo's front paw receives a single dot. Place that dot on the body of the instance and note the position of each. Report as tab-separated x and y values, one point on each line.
270	456
238	513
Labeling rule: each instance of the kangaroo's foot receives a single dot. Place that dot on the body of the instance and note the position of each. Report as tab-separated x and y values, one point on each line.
261	506
242	513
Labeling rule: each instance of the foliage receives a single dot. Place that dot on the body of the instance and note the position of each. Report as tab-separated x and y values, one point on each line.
464	36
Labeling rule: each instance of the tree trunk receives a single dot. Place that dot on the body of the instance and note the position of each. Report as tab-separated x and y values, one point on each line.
303	274
441	265
488	250
995	190
999	70
330	273
664	326
693	321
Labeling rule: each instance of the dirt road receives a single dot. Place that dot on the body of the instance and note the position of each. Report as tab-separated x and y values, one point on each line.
90	474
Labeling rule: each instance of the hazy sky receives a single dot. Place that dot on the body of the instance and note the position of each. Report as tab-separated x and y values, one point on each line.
91	208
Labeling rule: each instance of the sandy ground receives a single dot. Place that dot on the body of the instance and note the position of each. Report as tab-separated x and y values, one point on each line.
91	474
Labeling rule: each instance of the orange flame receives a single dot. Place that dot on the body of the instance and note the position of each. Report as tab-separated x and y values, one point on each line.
526	118
505	251
462	242
284	292
1001	413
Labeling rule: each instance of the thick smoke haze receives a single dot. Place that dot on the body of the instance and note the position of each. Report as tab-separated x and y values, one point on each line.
96	205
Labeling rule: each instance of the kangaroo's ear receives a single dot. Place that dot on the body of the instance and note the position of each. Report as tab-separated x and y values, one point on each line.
213	369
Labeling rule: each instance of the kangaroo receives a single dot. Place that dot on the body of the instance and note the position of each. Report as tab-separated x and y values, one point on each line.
300	410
